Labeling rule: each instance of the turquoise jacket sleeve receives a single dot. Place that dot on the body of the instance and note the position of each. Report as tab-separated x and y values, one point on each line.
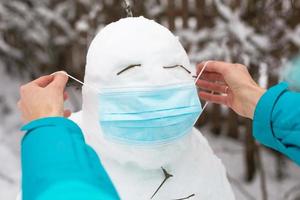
276	121
58	164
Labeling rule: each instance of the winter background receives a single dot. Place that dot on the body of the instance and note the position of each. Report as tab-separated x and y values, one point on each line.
42	36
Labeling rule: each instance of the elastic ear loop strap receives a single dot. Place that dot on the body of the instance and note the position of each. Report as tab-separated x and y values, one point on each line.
77	80
198	77
94	88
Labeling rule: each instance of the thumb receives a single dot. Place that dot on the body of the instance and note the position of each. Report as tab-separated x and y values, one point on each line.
60	80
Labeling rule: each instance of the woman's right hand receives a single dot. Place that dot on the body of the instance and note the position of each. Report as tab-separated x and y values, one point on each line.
231	85
44	97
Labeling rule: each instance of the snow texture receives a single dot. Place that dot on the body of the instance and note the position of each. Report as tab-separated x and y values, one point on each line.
9	137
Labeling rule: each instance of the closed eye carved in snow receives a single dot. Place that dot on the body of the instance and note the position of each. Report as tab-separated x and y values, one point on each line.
174	66
128	67
165	67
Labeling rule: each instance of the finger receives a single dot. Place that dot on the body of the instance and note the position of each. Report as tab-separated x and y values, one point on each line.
214	98
42	81
60	80
214	66
67	113
211	76
210	86
66	95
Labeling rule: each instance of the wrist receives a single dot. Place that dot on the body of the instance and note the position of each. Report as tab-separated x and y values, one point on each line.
253	98
38	116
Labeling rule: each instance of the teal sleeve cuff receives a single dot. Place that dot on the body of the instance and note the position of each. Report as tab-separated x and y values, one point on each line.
74	190
262	120
62	126
51	121
54	152
276	122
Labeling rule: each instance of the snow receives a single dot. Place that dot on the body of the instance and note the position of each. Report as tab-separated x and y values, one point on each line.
9	50
263	75
232	38
50	17
82	25
9	172
231	153
294	35
9	137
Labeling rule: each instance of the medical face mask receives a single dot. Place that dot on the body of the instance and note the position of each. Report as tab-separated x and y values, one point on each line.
152	115
149	115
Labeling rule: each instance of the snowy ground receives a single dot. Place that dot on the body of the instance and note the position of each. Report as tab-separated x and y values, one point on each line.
231	152
9	137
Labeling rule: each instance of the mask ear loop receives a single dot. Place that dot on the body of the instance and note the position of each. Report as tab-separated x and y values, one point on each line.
198	77
96	89
77	80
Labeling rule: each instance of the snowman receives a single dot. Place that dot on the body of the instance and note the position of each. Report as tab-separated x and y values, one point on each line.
139	107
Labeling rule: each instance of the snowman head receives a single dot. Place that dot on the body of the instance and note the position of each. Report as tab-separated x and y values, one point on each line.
132	53
144	45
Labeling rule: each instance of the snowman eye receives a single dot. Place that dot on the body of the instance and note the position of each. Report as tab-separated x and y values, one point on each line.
174	66
128	67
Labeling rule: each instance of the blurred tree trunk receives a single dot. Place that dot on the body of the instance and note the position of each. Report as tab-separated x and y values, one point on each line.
295	16
200	9
138	8
203	119
263	179
250	148
215	119
114	9
185	13
171	15
232	124
280	166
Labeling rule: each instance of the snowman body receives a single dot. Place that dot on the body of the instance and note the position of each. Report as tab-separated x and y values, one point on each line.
138	53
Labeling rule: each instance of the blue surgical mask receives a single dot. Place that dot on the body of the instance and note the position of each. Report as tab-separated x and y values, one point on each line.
152	115
149	115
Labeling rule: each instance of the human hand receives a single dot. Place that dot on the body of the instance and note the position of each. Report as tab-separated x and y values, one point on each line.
44	97
231	84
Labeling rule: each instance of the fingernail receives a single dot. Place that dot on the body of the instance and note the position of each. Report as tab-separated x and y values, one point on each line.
60	72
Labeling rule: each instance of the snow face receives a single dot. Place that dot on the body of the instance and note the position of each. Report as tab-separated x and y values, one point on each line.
131	41
136	171
127	42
